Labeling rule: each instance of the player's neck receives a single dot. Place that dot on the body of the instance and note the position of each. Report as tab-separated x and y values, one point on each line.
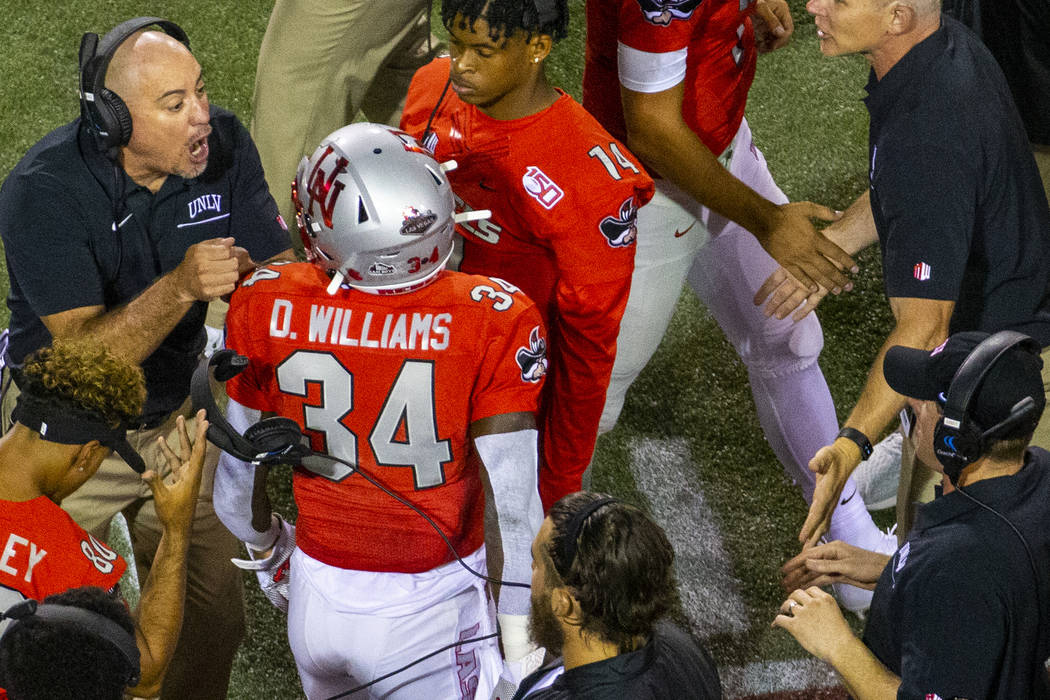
20	470
531	98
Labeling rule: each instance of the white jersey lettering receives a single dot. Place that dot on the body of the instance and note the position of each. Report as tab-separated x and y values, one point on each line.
34	553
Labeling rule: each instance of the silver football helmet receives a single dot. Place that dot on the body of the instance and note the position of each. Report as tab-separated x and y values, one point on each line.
375	209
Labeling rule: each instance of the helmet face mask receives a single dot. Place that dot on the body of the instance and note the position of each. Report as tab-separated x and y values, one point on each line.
374	208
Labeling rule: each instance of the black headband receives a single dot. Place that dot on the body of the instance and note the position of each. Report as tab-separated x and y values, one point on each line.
567	546
72	426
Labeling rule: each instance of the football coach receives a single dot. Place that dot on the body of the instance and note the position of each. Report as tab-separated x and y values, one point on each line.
119	228
963	607
955	202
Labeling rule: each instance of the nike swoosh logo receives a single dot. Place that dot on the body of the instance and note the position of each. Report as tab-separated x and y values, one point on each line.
679	234
849	499
202	221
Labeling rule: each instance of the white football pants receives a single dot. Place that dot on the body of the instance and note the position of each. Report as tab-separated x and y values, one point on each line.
725	265
349	627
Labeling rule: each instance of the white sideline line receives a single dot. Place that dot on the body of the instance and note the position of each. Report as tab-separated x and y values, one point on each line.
710	595
776	677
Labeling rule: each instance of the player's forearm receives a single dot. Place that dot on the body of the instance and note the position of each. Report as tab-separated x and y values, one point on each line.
855	230
510	461
159	615
878	404
863	674
679	155
239	494
133	330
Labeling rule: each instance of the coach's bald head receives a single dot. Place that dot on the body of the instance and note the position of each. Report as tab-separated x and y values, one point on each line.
161	83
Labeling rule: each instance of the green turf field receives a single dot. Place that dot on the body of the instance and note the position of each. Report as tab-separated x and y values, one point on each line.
691	406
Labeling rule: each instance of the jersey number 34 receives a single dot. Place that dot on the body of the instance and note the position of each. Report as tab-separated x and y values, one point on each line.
410	402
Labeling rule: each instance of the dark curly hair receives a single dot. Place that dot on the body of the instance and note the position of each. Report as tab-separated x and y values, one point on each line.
623	573
505	17
47	660
85	377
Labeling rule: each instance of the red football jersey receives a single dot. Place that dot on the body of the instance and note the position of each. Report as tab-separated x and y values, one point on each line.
714	37
42	552
563	196
391	384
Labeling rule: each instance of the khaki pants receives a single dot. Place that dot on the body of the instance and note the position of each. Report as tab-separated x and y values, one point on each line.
918	480
213	621
357	56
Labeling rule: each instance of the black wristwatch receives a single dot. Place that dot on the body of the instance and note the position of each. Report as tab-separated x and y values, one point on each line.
860	439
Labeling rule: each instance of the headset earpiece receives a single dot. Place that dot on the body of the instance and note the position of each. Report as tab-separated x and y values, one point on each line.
278	436
101	108
958	441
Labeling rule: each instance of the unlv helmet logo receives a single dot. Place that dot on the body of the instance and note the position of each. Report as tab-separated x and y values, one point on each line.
323	187
622	231
533	359
661	12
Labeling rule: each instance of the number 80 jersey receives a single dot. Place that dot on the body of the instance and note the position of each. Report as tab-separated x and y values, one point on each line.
391	384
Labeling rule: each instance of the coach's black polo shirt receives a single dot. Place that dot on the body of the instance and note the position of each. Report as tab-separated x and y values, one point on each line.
57	210
671	665
957	610
957	199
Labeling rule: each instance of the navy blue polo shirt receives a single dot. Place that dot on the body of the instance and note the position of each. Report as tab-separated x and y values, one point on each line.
958	610
671	665
955	192
65	251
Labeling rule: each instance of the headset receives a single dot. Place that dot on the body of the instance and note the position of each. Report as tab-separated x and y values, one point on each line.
87	621
958	440
100	107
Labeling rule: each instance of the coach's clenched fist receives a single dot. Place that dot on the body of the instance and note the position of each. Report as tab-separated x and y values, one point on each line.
209	270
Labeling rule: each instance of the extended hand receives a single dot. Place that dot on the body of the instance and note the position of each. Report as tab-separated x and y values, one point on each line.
834	562
209	270
787	295
175	496
813	618
773	25
833	464
804	252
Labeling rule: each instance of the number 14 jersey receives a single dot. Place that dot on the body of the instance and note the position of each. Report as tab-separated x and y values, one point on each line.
391	384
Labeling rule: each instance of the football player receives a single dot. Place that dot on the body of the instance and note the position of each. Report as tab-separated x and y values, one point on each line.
425	380
564	196
75	402
672	78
